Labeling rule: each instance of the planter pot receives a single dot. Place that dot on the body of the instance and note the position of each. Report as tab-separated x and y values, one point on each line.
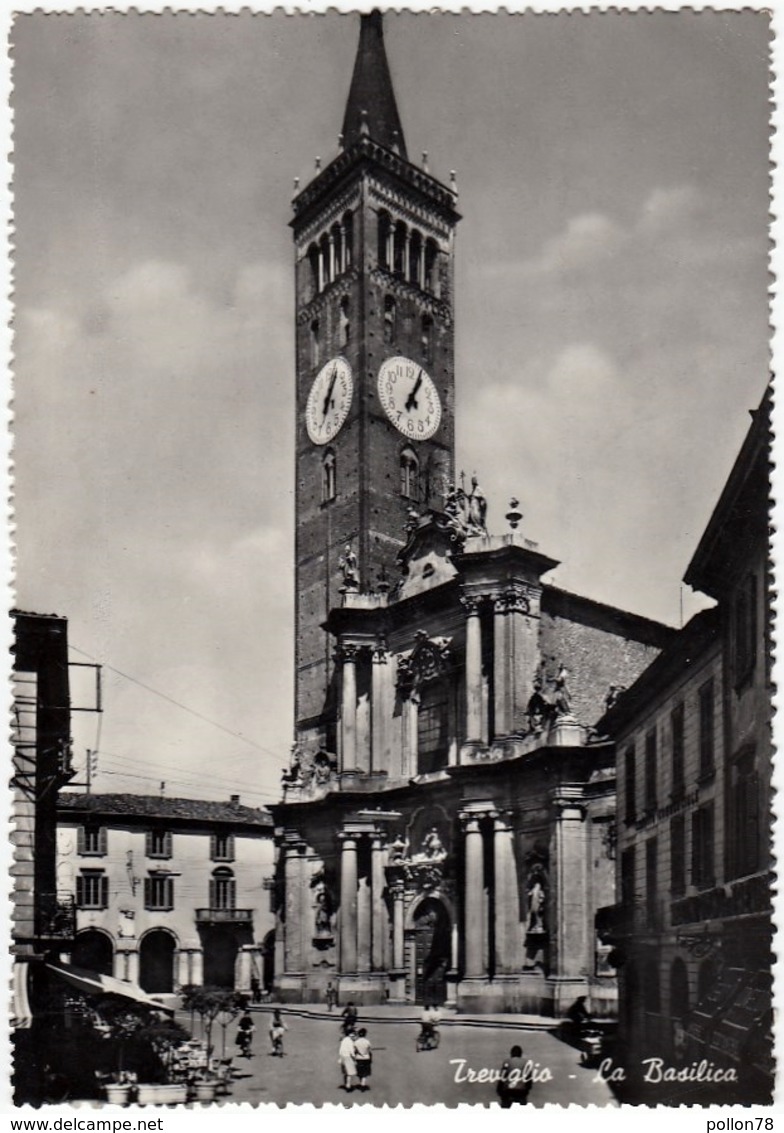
205	1091
166	1093
117	1094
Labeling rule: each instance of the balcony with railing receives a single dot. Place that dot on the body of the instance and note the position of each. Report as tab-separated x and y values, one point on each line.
224	916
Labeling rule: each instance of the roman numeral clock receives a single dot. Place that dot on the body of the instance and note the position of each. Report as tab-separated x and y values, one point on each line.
374	241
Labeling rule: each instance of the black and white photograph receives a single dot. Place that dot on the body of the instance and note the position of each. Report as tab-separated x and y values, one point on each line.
392	652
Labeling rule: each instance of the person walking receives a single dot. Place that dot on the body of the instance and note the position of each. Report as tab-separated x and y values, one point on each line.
349	1016
245	1035
277	1030
330	996
514	1085
347	1060
363	1057
255	989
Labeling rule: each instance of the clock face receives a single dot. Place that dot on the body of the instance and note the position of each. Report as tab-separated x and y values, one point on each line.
409	398
329	401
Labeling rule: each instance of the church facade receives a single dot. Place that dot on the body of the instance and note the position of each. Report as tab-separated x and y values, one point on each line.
448	824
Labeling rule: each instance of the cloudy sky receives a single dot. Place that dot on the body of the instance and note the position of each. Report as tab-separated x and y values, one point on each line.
611	326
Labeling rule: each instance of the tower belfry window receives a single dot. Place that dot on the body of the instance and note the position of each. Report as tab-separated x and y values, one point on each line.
315	343
328	476
389	318
384	241
427	338
431	255
344	322
401	242
415	260
348	239
409	474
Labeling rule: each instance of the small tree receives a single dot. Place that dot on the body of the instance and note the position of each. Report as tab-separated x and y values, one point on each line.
208	1003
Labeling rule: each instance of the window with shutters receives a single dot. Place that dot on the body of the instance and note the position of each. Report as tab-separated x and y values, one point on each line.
678	748
678	855
707	733
159	844
92	889
650	771
743	799
702	869
223	890
630	784
91	841
222	847
159	892
744	630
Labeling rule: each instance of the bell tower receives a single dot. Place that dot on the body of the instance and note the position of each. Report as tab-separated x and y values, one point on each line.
374	243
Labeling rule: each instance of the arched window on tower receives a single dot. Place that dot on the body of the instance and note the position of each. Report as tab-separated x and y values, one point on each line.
344	335
336	250
315	343
401	238
328	476
313	259
384	239
415	262
223	889
427	338
389	318
326	276
348	239
409	474
431	255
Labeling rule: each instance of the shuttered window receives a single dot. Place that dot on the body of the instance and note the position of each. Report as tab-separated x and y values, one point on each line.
91	841
159	844
159	892
222	847
92	890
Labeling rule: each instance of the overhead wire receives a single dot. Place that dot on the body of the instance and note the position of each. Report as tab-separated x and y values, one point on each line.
179	704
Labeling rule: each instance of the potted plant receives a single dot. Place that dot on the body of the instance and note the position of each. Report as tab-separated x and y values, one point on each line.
210	1004
118	1023
162	1035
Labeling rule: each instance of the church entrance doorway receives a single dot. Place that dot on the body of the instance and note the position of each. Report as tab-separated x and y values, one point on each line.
156	962
220	957
93	951
433	951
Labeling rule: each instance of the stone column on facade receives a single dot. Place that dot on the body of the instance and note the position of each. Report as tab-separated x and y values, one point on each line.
398	919
244	967
293	953
343	251
379	709
348	904
573	947
473	675
474	899
380	926
185	967
348	709
508	940
364	914
501	667
321	269
126	965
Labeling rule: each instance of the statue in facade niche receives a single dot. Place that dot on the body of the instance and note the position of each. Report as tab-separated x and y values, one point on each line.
563	697
477	507
537	898
433	848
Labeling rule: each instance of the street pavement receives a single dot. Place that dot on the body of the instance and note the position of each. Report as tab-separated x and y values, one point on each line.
309	1070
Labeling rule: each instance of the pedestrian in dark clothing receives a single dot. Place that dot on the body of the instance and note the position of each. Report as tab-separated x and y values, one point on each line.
330	996
363	1057
514	1085
255	989
349	1016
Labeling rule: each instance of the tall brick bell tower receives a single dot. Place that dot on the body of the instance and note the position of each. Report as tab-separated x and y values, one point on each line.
374	238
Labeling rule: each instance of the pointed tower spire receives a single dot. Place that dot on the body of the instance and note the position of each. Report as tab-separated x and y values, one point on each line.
371	107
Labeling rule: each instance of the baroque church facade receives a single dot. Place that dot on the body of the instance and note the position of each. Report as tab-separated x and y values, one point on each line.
447	829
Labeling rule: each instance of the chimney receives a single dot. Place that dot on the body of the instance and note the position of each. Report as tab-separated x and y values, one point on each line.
234	800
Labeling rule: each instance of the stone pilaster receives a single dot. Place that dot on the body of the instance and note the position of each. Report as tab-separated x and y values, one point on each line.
410	733
348	708
474	899
380	930
348	904
573	945
294	881
473	670
380	694
501	667
364	920
508	939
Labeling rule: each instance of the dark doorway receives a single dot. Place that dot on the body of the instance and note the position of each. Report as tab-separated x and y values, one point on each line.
93	950
433	945
268	960
156	962
220	957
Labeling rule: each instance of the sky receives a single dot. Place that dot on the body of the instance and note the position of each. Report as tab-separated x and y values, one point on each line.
611	327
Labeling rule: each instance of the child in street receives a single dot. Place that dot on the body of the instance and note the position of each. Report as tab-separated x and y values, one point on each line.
363	1057
277	1030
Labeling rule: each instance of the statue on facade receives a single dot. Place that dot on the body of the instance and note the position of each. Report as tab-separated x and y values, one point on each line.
477	508
611	698
433	848
563	696
349	568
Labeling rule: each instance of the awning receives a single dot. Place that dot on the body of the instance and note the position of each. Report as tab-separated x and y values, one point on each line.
94	983
23	1016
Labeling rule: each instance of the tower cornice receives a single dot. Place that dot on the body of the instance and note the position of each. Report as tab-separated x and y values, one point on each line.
369	154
